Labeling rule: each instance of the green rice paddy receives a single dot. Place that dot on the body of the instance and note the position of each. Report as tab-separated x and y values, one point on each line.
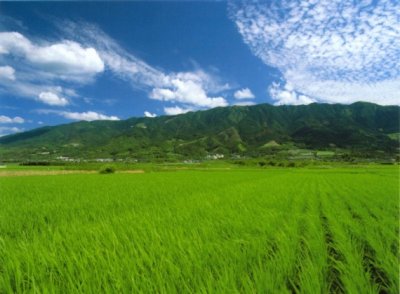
235	231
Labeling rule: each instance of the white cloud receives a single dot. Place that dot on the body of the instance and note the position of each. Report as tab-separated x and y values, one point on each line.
43	66
52	99
196	88
33	90
183	87
385	92
8	120
149	114
244	103
176	110
187	88
86	51
66	58
13	42
244	93
7	73
120	62
330	51
88	116
286	95
129	68
9	130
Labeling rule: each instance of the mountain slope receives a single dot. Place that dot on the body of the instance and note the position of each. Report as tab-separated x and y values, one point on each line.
237	129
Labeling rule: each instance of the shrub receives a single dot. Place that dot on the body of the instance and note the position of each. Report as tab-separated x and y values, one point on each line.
107	170
239	162
262	163
35	163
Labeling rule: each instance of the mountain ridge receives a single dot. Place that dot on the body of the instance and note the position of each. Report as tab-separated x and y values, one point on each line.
244	130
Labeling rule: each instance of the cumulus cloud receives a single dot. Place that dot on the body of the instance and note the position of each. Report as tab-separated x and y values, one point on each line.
196	88
149	114
244	93
287	95
175	110
9	130
120	62
52	99
47	71
7	73
66	58
15	43
9	120
187	88
328	51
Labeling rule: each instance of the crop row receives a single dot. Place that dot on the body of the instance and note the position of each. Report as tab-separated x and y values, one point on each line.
272	231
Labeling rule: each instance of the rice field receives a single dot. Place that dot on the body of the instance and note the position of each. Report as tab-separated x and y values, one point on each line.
235	231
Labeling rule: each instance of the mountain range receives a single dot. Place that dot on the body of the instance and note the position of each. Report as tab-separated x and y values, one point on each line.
236	130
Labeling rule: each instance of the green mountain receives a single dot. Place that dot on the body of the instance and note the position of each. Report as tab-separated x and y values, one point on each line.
240	130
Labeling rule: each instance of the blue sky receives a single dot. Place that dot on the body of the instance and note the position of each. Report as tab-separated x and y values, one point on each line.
67	61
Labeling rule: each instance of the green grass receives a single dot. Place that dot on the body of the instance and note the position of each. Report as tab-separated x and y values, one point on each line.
325	153
394	136
237	231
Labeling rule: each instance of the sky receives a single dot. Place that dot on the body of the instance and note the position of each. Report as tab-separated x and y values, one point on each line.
69	61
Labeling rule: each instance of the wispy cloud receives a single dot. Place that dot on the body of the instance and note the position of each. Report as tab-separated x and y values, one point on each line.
87	115
7	73
195	88
51	71
44	70
244	103
327	51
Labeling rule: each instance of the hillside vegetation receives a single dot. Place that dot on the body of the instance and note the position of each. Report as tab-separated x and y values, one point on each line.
240	130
